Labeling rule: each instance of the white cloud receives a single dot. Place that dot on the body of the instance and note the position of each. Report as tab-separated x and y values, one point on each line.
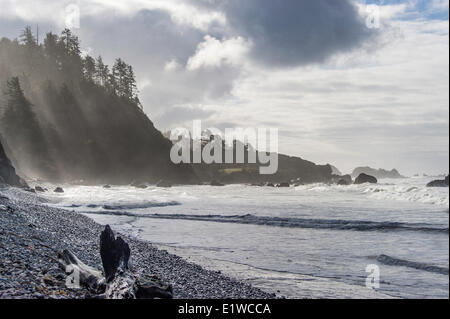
384	109
213	53
172	65
55	11
439	5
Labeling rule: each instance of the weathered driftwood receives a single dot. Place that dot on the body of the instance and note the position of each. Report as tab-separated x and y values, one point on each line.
118	281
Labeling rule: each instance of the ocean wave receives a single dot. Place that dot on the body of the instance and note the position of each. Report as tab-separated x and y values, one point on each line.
115	207
291	222
392	261
405	192
409	193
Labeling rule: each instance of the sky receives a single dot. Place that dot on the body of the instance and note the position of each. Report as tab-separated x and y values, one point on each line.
347	82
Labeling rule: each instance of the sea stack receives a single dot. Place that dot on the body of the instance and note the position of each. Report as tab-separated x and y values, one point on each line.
364	178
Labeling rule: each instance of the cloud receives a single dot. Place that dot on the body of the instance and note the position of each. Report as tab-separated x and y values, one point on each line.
181	115
180	12
213	53
288	33
305	66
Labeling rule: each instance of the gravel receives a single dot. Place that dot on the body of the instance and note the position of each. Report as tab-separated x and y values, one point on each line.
32	234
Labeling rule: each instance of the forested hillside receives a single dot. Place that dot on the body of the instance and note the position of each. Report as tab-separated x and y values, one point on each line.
65	116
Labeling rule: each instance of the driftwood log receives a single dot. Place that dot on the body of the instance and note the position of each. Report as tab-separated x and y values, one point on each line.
117	280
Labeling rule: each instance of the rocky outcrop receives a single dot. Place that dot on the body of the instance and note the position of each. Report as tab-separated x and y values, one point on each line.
335	170
364	178
58	190
377	173
342	180
39	189
7	172
439	183
283	185
164	184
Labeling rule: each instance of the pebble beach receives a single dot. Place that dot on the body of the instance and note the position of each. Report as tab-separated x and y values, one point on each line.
32	235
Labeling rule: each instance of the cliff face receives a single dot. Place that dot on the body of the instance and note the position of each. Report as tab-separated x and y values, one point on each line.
7	172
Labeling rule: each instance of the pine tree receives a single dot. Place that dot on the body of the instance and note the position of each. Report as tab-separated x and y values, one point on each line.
28	39
119	73
101	72
71	60
21	127
89	68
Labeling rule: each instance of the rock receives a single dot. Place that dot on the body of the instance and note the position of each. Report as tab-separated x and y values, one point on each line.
48	280
335	170
141	186
377	173
107	186
58	190
439	183
216	183
269	184
345	180
285	184
257	184
135	184
39	189
163	183
28	189
364	178
7	172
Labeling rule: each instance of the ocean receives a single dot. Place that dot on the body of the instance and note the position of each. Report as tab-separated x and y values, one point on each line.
312	241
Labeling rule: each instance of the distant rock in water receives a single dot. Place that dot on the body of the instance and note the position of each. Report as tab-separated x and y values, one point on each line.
7	172
378	173
58	190
439	183
342	180
107	186
163	183
216	183
364	178
281	185
39	189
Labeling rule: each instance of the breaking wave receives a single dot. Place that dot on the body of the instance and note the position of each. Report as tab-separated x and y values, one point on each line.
392	261
291	222
386	191
116	207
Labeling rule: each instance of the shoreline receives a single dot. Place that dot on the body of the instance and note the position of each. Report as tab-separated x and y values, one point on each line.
32	234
